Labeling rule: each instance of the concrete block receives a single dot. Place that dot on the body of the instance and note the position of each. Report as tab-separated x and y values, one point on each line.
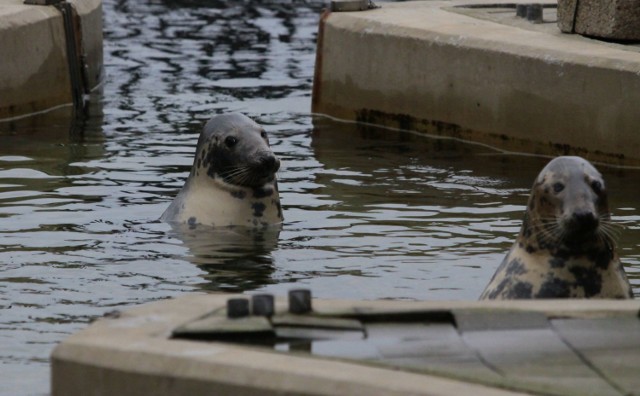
608	19
132	353
434	67
34	73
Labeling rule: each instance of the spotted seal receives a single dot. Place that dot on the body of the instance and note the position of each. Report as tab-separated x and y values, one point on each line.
565	247
232	180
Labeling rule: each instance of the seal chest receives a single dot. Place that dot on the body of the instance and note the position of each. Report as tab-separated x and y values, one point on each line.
232	180
565	248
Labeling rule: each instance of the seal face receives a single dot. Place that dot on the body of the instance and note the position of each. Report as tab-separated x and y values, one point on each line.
565	247
232	180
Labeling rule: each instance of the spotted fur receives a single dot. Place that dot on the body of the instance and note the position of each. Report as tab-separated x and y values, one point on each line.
232	180
565	247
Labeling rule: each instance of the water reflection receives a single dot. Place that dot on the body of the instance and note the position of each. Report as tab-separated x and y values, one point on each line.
235	259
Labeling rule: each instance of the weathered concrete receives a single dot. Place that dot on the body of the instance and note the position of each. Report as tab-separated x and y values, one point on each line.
131	354
440	67
34	73
609	19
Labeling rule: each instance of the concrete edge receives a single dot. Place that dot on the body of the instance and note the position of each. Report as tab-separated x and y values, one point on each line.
131	354
523	113
460	27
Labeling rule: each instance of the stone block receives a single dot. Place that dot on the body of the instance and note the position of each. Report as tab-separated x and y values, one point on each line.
607	19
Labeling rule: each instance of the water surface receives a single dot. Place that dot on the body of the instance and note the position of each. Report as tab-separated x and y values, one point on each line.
369	213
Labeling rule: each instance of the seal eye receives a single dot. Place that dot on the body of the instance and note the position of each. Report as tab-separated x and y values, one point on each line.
230	141
263	134
557	187
596	186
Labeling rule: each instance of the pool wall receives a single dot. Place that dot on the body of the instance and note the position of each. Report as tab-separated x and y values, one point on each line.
35	74
456	69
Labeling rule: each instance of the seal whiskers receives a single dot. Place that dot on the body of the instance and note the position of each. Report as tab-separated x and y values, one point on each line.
238	175
610	229
566	246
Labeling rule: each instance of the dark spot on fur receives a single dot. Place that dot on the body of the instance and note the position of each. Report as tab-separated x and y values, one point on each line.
199	163
546	243
556	262
531	249
508	287
532	204
589	279
192	222
515	267
498	290
238	194
262	192
602	258
218	161
520	290
554	288
258	209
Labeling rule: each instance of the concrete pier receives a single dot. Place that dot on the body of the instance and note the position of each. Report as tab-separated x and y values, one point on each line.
35	70
476	71
193	346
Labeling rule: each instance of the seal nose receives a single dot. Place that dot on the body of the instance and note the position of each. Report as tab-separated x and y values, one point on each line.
584	220
270	163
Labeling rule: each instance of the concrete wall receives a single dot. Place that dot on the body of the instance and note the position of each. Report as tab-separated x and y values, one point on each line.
425	66
34	74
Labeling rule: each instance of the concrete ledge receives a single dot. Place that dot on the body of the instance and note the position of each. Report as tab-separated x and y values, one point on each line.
612	19
130	353
34	74
438	67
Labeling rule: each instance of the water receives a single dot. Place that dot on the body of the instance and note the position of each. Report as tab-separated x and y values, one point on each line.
370	213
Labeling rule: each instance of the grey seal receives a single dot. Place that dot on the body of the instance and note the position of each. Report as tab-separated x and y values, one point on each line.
565	247
232	180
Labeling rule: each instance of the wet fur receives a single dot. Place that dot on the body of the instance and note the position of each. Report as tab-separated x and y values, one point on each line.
565	248
232	180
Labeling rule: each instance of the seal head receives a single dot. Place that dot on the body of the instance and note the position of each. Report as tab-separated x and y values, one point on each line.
565	248
232	180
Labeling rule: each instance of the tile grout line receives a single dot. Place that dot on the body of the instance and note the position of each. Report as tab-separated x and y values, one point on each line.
587	362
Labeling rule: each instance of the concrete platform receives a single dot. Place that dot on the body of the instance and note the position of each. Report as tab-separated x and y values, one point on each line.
473	70
35	73
188	346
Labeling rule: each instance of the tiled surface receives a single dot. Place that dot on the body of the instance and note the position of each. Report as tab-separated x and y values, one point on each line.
519	349
515	349
612	346
538	358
